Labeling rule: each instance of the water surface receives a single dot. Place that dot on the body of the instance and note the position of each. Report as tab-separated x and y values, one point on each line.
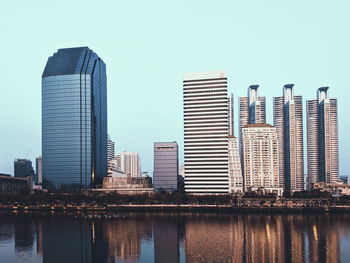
174	238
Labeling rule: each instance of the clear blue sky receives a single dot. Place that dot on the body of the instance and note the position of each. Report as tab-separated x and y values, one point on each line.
149	45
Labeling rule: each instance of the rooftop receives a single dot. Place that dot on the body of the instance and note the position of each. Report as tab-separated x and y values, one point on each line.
258	125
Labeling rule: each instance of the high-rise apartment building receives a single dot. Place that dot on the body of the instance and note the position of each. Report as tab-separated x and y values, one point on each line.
130	164
39	170
23	168
166	166
110	149
288	120
322	138
252	109
260	157
74	119
206	130
234	166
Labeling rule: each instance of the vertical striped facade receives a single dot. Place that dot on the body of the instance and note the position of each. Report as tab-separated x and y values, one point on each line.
252	109
206	129
288	120
323	148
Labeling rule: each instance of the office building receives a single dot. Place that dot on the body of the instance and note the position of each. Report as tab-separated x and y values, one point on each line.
23	168
166	166
322	138
39	170
288	120
74	119
110	149
130	164
234	166
260	158
206	129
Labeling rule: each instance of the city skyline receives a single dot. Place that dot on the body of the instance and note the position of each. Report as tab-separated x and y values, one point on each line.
309	70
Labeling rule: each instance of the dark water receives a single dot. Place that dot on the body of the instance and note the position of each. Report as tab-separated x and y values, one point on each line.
174	238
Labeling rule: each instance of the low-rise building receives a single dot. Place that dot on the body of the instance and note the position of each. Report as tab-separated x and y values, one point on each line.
336	188
14	185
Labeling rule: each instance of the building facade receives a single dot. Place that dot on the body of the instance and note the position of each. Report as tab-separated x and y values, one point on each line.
288	120
322	138
14	185
130	164
166	166
39	170
110	149
234	166
252	109
260	157
206	129
74	119
23	168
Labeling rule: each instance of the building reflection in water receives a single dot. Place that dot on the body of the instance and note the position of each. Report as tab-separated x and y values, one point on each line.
124	236
262	238
202	238
166	240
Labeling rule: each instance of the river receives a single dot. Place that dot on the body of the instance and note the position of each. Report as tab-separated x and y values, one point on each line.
142	237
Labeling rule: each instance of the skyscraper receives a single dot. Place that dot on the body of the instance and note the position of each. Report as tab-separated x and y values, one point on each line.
23	168
322	138
130	164
252	109
110	149
288	120
260	157
206	129
74	118
166	166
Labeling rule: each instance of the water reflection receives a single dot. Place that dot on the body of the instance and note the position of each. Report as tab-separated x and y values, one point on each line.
175	238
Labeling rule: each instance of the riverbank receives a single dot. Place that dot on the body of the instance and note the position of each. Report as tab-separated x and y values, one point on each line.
181	208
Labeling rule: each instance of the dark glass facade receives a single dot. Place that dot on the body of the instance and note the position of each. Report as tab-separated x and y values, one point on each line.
23	168
74	119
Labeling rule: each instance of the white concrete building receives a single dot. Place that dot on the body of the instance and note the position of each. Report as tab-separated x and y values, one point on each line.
130	164
234	166
260	158
206	130
110	149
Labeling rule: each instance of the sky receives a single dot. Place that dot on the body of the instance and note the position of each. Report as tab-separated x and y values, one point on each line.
149	45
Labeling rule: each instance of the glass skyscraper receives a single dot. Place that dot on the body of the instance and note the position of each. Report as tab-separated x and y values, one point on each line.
74	119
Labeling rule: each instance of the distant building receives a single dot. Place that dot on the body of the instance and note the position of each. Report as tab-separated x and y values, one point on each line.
130	164
38	170
74	119
14	185
23	168
166	166
252	109
234	166
206	130
322	138
110	149
260	158
288	120
114	164
121	183
336	188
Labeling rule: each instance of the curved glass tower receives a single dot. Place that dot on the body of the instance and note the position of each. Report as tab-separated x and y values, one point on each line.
74	119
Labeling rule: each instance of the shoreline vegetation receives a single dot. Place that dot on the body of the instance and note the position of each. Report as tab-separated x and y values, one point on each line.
174	202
